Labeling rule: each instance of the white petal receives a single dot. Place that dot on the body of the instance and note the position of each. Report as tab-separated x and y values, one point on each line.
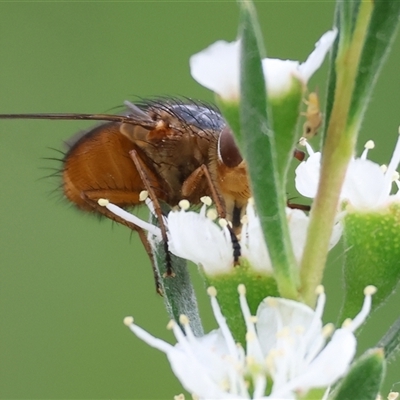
253	244
298	225
364	184
218	68
307	175
279	74
274	313
316	58
330	365
196	238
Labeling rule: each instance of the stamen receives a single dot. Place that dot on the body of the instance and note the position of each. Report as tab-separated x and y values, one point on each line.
393	395
395	176
302	141
154	230
366	308
305	143
150	339
394	162
368	146
383	168
260	385
179	397
184	204
252	342
212	292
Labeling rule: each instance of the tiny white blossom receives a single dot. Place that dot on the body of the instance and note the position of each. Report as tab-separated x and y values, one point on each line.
218	67
196	237
191	233
366	186
285	342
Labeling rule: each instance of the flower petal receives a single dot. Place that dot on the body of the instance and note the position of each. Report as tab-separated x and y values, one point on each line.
316	58
218	68
196	238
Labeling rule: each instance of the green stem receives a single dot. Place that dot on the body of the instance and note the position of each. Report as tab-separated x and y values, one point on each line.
337	152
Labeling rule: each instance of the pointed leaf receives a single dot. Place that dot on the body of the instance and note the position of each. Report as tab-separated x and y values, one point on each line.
261	156
364	378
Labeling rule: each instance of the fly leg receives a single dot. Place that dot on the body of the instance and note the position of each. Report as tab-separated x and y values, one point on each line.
195	182
144	175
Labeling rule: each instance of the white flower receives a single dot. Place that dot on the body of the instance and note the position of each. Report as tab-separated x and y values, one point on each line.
195	236
218	67
285	342
366	186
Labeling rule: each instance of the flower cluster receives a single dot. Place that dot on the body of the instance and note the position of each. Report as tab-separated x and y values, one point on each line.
367	185
285	343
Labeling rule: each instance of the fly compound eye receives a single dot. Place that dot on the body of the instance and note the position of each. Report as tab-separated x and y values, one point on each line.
228	152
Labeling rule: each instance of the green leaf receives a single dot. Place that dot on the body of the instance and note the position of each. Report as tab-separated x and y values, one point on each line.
390	342
372	257
380	36
178	293
364	379
285	112
331	85
261	155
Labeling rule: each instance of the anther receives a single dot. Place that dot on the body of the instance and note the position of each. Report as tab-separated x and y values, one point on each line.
184	204
143	195
206	200
103	202
128	321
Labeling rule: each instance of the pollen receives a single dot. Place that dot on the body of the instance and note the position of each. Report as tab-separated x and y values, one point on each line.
128	321
184	204
103	202
211	291
179	397
206	200
143	195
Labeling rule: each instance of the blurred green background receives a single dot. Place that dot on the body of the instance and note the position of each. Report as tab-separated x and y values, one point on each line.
66	279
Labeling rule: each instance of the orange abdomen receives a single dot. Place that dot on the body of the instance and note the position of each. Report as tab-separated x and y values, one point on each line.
98	165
